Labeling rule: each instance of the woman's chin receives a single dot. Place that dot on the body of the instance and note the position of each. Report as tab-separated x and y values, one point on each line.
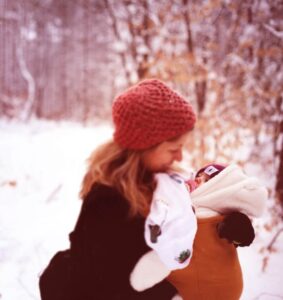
165	168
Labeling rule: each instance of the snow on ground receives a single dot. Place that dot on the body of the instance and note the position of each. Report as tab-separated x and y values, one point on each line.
260	285
41	168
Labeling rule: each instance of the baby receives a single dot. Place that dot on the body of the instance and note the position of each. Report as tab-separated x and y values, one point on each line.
171	225
203	175
236	227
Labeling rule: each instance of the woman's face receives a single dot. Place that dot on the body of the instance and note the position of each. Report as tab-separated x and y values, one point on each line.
161	157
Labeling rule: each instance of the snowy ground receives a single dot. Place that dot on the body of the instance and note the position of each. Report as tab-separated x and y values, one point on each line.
41	167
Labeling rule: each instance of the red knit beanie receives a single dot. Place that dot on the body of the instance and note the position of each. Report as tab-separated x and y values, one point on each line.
150	113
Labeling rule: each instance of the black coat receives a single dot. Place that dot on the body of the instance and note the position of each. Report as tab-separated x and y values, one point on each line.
107	243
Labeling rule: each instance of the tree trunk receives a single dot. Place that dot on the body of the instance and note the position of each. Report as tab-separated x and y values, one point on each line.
188	26
200	90
28	106
119	38
200	83
279	180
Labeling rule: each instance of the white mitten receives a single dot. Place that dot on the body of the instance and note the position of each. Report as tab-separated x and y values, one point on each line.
148	271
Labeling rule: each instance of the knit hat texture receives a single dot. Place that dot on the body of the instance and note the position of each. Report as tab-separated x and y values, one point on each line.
150	113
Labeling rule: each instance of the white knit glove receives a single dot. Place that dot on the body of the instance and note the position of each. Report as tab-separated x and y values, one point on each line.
148	271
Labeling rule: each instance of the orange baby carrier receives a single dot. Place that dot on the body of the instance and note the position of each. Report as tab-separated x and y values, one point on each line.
214	272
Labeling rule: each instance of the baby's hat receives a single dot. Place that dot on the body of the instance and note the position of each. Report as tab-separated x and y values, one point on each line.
211	170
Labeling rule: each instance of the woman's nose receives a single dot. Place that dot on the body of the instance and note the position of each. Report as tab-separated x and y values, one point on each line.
178	156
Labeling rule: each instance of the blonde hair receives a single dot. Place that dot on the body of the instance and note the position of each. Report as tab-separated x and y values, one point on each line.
122	169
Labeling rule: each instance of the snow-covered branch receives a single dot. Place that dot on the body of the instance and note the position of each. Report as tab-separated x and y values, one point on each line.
269	247
28	77
278	34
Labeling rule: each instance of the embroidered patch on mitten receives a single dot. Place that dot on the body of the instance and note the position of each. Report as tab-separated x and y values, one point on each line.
184	255
176	178
155	232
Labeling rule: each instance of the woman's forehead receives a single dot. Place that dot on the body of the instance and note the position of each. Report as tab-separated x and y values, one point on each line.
179	141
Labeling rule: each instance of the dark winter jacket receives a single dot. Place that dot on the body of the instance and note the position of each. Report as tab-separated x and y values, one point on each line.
107	243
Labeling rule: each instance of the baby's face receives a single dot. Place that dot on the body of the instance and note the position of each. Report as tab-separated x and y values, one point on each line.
201	178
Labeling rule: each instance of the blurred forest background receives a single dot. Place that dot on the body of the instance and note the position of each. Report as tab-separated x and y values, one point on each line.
66	60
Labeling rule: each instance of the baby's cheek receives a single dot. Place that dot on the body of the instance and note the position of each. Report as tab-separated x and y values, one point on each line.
198	180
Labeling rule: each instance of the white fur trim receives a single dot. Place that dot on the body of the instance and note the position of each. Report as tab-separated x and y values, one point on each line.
177	297
148	271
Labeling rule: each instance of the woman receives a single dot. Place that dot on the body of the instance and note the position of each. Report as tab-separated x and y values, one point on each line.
152	123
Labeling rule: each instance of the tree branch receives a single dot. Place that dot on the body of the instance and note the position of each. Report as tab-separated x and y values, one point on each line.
276	33
269	247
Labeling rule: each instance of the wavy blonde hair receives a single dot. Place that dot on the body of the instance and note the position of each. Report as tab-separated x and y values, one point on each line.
123	169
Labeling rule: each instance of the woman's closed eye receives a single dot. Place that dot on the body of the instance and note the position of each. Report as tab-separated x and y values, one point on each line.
175	151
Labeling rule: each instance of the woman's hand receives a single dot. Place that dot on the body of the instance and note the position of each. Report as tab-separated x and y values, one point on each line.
237	229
